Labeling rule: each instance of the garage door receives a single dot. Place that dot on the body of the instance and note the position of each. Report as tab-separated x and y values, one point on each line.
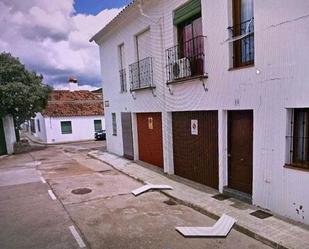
2	139
127	135
195	146
149	126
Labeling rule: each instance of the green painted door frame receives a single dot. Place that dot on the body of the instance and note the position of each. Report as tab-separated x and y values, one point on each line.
3	149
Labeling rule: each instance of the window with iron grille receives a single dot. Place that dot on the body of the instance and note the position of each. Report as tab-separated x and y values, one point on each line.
186	59
122	71
66	127
298	139
114	124
97	125
242	32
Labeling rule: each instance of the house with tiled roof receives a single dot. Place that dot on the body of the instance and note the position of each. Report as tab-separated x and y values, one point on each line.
70	115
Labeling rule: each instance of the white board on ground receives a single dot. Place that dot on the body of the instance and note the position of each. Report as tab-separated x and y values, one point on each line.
221	229
148	187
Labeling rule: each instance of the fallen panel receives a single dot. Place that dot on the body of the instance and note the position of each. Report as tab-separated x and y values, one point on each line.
221	229
148	187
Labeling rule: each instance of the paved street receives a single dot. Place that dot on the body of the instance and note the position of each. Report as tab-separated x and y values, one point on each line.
109	216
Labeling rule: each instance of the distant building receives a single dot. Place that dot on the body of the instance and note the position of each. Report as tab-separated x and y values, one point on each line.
70	115
7	135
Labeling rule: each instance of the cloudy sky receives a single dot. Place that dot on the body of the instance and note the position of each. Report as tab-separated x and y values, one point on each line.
52	36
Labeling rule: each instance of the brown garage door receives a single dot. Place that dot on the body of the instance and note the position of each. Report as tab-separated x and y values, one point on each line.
127	136
195	145
149	126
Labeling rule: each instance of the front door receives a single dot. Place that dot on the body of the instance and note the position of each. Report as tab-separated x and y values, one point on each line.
240	150
127	135
3	150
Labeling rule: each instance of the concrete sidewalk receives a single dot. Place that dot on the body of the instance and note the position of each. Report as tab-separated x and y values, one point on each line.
273	231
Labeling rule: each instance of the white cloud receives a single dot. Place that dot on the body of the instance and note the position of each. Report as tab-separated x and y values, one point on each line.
49	38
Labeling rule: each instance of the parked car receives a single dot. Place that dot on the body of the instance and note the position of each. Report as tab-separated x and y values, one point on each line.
100	135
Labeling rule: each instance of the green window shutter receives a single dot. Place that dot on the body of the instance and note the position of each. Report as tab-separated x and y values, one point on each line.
66	127
97	125
187	11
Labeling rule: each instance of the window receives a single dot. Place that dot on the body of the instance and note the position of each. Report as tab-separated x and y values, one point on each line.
186	59
298	141
122	71
97	125
243	29
141	72
38	124
114	124
66	127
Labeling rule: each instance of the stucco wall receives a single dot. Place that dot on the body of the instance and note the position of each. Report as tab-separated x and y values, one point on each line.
9	133
82	128
40	133
277	81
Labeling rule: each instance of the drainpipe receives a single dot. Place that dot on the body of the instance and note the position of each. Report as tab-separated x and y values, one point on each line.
159	22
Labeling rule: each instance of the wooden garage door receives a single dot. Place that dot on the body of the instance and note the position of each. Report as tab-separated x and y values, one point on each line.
196	148
149	126
2	139
127	136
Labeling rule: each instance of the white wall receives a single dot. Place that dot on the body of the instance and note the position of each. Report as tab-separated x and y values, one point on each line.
9	133
278	80
82	128
40	133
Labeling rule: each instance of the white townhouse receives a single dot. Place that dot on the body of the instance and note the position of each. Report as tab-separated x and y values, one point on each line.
215	91
70	115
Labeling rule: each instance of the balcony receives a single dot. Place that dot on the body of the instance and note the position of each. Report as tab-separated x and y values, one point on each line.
186	60
123	80
243	43
141	74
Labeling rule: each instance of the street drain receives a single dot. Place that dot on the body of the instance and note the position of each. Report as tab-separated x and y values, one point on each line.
81	191
61	169
170	202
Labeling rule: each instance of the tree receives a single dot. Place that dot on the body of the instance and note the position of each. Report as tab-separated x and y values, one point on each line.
22	92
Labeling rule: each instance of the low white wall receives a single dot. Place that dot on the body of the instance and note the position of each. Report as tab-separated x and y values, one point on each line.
9	132
82	128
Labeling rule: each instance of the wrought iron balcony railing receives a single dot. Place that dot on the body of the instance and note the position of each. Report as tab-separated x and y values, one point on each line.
243	45
123	80
186	60
141	74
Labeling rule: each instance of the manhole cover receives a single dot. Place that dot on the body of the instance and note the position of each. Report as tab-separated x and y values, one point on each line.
261	214
220	197
81	191
170	202
61	169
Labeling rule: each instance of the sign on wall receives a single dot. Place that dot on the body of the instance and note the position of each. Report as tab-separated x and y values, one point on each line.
150	123
194	127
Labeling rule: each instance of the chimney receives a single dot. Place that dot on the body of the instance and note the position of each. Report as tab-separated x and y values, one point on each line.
73	84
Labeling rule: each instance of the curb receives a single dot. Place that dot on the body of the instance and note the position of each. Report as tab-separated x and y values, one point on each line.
201	210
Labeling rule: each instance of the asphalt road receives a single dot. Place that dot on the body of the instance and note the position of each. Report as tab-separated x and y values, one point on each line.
107	217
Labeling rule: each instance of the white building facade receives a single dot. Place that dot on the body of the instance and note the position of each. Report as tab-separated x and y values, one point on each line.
216	92
70	115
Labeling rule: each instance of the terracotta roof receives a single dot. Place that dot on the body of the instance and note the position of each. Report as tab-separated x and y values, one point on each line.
63	103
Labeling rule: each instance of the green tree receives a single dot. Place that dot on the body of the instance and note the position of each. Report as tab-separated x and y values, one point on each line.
22	92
